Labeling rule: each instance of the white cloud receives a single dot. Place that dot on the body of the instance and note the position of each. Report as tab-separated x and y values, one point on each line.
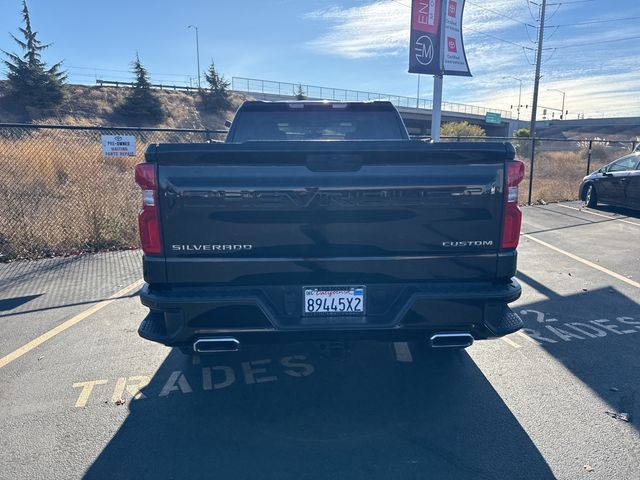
382	27
597	78
377	29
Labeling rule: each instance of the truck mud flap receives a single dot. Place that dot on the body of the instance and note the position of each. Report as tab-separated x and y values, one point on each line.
500	320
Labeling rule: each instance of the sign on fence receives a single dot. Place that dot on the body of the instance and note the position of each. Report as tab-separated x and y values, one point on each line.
118	146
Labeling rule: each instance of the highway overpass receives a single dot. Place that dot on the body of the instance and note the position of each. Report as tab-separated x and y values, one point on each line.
416	113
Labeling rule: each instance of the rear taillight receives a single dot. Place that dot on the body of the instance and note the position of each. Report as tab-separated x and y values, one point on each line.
148	219
512	217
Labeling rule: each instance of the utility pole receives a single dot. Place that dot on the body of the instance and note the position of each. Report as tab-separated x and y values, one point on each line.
564	95
197	52
536	91
519	95
418	96
519	100
438	81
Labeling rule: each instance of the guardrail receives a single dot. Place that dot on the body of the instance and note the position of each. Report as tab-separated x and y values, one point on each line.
161	86
284	89
269	87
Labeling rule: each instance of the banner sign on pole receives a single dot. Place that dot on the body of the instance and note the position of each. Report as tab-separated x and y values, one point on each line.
437	46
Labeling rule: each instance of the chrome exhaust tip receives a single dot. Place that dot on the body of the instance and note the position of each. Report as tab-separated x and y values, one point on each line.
451	340
216	345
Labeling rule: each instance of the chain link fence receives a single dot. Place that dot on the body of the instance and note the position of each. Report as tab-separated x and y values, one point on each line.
559	165
60	196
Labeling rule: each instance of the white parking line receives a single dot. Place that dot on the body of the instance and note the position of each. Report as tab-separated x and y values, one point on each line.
586	210
403	353
508	341
615	275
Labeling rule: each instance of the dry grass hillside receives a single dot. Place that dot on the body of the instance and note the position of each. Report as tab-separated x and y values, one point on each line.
58	194
94	105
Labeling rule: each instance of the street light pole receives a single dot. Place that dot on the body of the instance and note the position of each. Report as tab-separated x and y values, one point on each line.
564	94
519	95
197	52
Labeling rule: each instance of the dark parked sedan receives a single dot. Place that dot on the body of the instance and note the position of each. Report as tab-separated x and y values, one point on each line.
616	184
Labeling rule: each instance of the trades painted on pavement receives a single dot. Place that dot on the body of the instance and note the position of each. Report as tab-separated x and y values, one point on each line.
550	331
178	382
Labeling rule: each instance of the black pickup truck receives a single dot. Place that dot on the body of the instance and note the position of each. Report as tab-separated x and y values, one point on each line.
323	221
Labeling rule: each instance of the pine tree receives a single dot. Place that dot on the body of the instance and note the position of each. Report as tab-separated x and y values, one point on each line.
142	104
300	93
217	93
31	83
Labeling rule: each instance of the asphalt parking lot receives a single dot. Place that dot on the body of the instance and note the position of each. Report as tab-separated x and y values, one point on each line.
82	396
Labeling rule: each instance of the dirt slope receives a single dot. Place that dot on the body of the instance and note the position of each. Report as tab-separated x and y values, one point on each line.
94	105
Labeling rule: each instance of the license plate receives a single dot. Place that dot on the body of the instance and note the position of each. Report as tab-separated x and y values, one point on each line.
334	300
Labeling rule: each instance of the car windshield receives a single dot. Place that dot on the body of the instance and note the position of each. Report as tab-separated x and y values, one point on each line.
624	164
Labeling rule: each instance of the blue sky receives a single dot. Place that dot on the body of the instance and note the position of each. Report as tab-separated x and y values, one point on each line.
355	44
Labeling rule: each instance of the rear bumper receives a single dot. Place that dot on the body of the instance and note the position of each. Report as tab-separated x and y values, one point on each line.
273	314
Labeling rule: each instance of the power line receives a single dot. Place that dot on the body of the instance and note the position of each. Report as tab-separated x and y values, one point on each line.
593	22
484	33
530	12
571	2
498	38
598	43
495	12
552	33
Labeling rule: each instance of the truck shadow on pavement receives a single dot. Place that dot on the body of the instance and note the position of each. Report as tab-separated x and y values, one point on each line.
290	412
595	335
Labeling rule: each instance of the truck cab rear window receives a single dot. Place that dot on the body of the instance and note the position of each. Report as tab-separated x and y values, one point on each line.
317	125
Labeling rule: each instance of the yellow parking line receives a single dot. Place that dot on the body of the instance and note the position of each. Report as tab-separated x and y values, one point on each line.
615	275
600	215
36	342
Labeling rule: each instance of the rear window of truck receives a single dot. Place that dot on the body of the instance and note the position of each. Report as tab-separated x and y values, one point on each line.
304	124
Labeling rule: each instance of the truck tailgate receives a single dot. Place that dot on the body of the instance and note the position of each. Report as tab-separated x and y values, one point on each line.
338	212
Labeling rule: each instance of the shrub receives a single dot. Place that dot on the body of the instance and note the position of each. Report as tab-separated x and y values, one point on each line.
522	142
462	129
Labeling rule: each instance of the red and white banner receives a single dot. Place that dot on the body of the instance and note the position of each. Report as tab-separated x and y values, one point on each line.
437	45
